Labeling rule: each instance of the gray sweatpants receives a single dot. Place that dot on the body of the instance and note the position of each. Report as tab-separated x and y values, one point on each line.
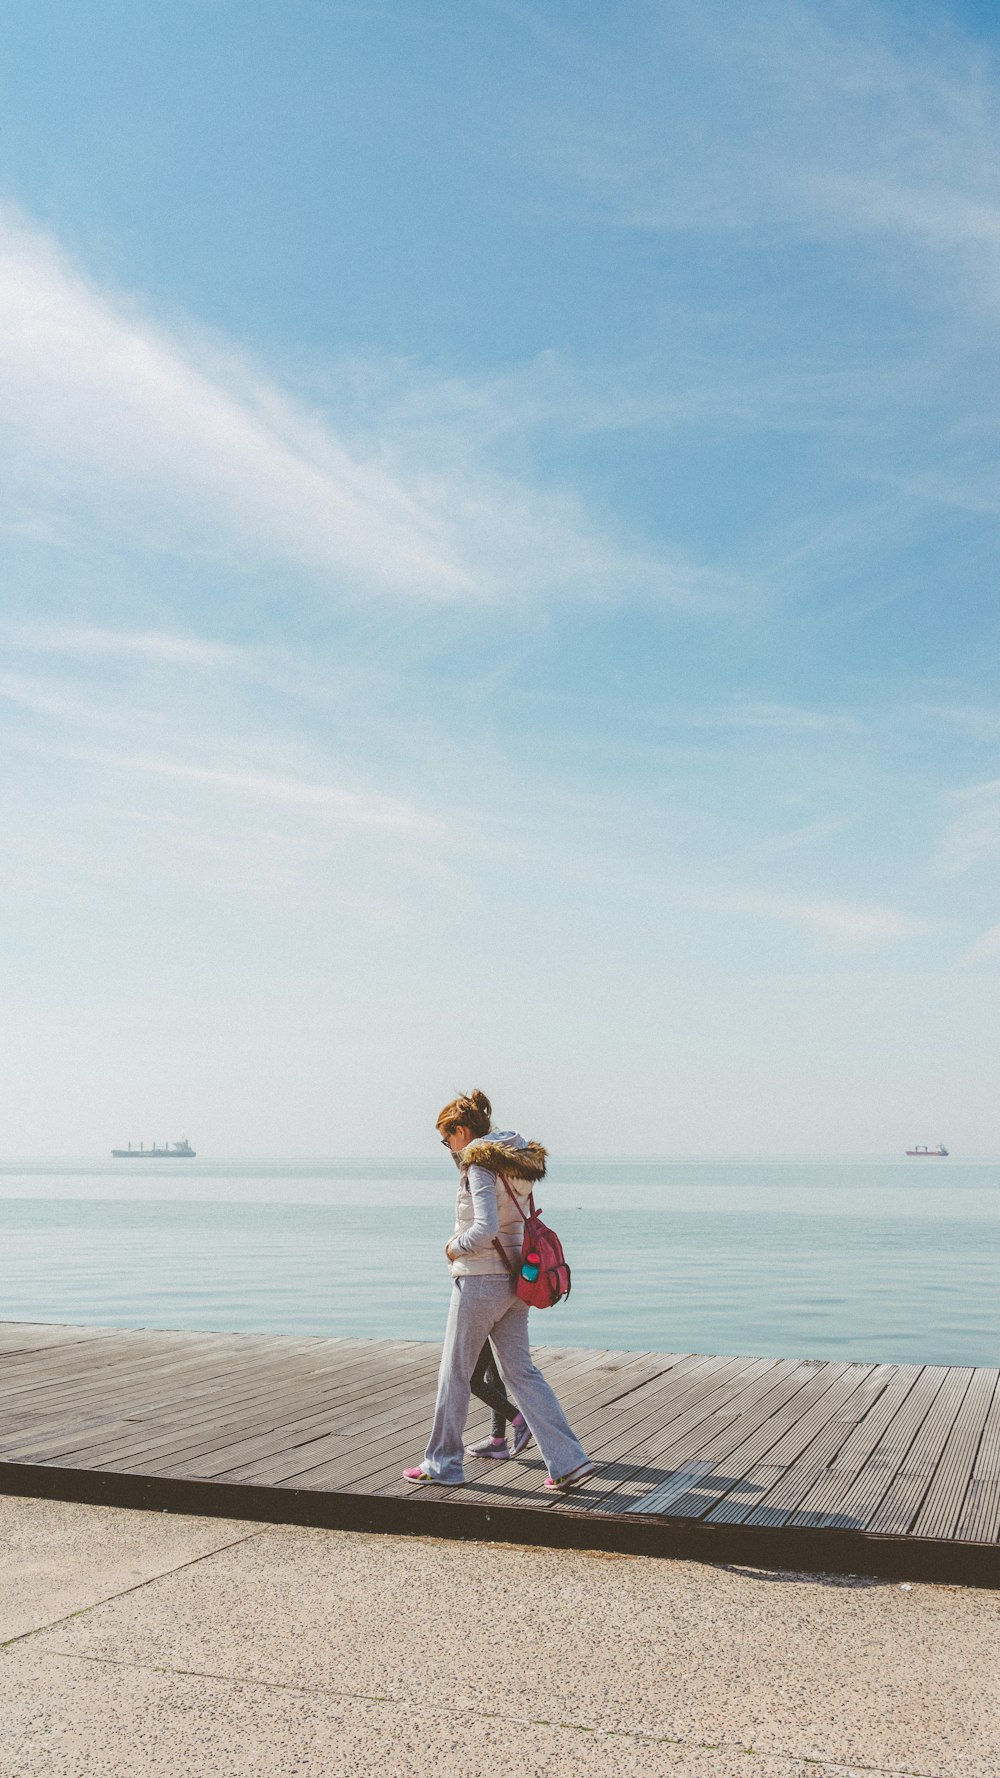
484	1306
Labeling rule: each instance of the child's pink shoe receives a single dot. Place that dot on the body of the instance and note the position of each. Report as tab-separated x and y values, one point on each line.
522	1434
489	1447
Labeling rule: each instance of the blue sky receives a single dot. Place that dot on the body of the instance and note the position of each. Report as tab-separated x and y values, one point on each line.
498	533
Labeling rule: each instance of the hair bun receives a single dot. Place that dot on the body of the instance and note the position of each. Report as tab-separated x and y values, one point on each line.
472	1110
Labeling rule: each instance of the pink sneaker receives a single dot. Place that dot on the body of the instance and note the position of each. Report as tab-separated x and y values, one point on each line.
419	1478
561	1484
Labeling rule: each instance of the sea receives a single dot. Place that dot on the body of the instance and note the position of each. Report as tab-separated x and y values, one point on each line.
867	1259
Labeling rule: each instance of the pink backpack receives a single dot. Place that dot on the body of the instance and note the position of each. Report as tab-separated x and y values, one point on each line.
543	1277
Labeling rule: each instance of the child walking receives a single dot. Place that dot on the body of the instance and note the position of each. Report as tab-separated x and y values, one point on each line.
487	1383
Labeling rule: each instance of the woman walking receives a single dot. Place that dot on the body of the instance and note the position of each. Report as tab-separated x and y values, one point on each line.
498	1171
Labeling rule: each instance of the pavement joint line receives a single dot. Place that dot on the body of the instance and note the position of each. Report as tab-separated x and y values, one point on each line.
641	1736
123	1593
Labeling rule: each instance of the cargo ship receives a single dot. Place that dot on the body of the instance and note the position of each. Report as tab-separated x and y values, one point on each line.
172	1151
931	1153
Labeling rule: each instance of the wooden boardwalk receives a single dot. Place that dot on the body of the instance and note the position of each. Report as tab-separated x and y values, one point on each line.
864	1468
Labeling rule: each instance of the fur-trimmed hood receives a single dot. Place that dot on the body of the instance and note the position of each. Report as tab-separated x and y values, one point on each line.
504	1151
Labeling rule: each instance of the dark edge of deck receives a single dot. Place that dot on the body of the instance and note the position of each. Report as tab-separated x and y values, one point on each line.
786	1547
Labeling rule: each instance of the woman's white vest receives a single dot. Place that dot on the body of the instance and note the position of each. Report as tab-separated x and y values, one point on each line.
522	1166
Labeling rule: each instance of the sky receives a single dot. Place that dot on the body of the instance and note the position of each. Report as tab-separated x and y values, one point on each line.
498	537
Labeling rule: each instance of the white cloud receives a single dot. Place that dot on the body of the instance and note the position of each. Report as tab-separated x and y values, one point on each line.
974	831
843	925
158	647
362	809
793	116
812	833
55	699
940	217
984	948
780	137
309	795
101	406
981	720
107	419
789	718
191	729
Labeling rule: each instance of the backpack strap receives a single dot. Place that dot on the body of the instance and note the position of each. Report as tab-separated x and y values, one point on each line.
513	1198
513	1271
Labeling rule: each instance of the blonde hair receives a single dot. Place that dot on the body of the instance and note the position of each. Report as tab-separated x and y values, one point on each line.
472	1110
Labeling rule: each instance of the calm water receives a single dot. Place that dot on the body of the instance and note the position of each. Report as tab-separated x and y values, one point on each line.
803	1258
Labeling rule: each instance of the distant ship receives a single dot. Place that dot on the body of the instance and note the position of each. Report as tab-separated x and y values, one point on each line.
930	1152
174	1151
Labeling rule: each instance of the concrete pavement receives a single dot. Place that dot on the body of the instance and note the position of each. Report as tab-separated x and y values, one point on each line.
139	1644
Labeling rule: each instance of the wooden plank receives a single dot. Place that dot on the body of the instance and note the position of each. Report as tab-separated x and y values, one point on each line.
189	1382
980	1521
745	1445
854	1506
624	1442
128	1378
150	1353
81	1435
261	1409
629	1471
141	1445
761	1417
987	1465
701	1427
344	1461
145	1442
660	1499
306	1363
857	1450
740	1400
66	1367
301	1438
941	1507
20	1340
980	1515
43	1445
801	1473
131	1394
902	1498
632	1462
100	1345
810	1418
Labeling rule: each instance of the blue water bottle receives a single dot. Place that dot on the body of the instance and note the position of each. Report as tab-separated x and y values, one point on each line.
531	1267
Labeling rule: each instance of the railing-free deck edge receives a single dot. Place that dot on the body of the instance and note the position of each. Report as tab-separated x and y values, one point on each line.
787	1547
